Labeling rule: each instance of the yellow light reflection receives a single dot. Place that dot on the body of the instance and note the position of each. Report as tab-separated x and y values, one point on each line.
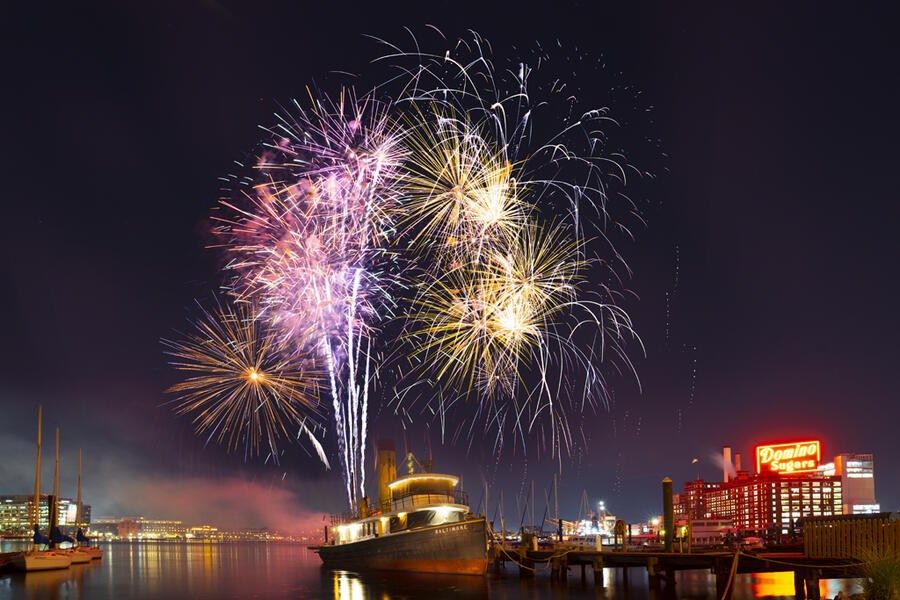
781	585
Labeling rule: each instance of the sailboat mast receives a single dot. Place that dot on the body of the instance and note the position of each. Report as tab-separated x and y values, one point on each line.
53	505
78	509
36	505
532	505
56	471
555	499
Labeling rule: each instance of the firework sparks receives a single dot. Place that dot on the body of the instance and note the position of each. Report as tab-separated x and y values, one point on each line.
309	247
458	189
453	215
241	387
505	292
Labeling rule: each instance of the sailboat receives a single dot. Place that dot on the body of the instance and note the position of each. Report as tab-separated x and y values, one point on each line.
56	536
34	559
95	552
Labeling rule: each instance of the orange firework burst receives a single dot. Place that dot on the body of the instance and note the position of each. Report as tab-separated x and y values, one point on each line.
243	389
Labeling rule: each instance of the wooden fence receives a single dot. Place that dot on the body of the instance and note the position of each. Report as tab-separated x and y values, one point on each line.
851	536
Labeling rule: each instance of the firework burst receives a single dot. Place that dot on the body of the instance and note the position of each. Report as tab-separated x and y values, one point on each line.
516	311
465	217
458	189
241	388
308	243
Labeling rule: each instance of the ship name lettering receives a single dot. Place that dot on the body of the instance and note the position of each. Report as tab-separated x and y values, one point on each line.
450	529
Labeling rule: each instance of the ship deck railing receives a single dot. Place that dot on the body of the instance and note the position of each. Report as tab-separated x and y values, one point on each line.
408	502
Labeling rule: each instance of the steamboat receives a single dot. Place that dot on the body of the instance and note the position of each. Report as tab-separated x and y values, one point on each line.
422	523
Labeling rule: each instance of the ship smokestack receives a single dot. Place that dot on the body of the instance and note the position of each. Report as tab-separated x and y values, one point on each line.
726	462
387	472
363	508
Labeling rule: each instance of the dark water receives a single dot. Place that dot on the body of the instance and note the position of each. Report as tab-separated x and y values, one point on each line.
155	571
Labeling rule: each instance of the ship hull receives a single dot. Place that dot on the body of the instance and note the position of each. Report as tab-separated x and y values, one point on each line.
459	548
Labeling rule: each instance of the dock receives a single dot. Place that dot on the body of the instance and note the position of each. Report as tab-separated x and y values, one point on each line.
661	566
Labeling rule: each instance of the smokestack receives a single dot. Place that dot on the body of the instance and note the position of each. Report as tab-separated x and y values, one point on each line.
726	462
737	462
387	472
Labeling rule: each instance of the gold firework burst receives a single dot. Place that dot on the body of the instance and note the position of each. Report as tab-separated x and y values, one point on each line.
243	389
485	319
457	188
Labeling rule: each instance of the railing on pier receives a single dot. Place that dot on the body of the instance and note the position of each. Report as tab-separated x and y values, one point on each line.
851	536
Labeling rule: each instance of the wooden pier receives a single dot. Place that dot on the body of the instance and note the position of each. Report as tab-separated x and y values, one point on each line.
662	566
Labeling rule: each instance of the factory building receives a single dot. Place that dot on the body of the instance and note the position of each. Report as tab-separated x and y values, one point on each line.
790	482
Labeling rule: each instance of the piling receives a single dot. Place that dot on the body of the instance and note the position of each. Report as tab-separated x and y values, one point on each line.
812	584
598	571
653	573
668	513
526	565
723	579
799	586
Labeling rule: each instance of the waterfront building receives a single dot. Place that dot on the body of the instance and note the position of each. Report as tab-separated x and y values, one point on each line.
143	529
710	531
16	513
105	527
790	483
159	529
127	529
857	473
205	533
138	528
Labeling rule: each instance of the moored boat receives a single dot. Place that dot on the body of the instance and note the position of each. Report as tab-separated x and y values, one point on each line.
93	551
423	524
78	555
41	560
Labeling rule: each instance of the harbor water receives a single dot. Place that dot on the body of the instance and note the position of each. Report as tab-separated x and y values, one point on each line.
158	571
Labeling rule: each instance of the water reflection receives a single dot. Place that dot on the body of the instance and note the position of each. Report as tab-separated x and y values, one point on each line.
156	571
768	585
349	585
49	585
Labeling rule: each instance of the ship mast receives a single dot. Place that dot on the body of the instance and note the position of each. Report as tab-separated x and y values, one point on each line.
78	508
53	506
532	505
56	473
36	513
555	500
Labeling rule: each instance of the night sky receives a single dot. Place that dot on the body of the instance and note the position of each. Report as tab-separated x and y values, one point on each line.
765	282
